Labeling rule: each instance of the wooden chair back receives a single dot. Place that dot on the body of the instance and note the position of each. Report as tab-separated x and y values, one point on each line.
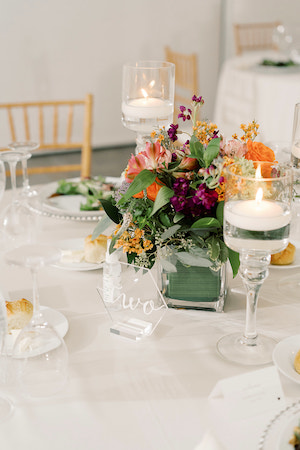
186	78
254	36
30	121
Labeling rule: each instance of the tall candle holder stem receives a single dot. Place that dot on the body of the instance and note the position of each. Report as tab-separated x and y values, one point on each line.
253	271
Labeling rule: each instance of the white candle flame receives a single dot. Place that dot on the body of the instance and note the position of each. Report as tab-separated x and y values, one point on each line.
145	94
259	196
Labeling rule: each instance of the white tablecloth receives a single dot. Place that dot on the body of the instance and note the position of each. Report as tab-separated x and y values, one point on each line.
145	395
247	91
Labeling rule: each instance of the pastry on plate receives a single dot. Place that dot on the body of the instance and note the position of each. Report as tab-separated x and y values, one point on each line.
94	251
285	257
19	313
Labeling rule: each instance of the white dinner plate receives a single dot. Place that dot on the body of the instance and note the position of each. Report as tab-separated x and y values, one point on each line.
74	245
280	429
284	354
55	318
294	264
67	206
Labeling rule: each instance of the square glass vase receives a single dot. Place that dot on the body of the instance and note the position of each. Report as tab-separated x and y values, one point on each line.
192	287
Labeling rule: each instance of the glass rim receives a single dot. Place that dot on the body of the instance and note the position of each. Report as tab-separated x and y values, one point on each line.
145	64
286	165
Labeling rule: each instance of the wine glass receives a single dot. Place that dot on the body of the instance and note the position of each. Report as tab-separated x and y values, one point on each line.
25	147
147	98
39	353
257	216
18	222
295	155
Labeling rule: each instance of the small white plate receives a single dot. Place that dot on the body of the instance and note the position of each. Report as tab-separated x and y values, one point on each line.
55	318
284	354
294	264
73	245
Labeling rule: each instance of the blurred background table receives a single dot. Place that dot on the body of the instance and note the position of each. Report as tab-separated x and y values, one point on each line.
249	91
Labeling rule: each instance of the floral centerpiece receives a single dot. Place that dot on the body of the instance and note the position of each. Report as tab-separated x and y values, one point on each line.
171	200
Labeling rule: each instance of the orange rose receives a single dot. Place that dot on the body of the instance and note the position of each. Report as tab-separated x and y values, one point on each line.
260	152
257	151
152	190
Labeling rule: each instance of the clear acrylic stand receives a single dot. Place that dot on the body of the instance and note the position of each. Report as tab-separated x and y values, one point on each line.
133	300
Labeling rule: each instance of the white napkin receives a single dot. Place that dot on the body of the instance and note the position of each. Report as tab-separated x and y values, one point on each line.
209	442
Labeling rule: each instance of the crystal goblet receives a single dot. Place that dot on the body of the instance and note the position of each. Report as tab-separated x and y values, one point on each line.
147	98
18	221
25	147
257	216
39	353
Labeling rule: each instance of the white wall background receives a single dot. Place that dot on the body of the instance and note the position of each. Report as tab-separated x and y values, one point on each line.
57	49
65	48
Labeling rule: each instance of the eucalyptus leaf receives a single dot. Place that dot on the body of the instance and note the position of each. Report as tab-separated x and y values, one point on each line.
101	226
170	231
162	198
190	259
178	216
143	180
167	265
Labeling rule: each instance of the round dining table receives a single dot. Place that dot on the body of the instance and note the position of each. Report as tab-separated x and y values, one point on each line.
248	90
150	394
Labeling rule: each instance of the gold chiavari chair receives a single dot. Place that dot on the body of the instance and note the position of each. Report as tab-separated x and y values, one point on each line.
186	77
254	36
39	115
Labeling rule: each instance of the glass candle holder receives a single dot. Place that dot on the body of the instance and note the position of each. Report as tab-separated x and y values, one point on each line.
147	98
257	216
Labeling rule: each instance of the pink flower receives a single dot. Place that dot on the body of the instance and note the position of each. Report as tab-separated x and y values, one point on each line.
153	157
235	148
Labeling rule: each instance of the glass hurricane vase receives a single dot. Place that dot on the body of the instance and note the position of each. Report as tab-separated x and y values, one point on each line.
186	286
147	98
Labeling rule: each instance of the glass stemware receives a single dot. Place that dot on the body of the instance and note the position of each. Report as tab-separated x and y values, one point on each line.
18	222
39	353
257	216
6	406
295	156
25	148
147	98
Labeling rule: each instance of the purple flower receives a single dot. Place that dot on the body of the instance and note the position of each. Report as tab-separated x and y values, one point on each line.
172	132
174	157
178	203
185	113
181	186
197	99
207	196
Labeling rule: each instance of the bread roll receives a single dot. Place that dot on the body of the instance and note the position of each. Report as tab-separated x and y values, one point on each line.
19	313
297	362
285	257
94	251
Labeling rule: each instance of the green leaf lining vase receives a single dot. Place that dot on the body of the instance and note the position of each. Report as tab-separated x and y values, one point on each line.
189	282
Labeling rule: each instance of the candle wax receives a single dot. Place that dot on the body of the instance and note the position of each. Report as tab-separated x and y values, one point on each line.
147	108
256	216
